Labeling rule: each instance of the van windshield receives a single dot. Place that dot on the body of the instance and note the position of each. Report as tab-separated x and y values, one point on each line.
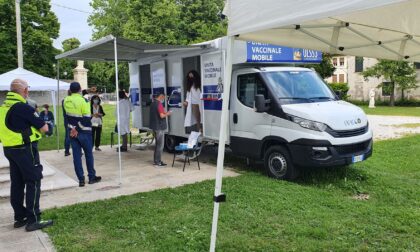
298	87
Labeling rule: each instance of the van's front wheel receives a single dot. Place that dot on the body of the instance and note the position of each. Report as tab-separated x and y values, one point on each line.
170	143
278	163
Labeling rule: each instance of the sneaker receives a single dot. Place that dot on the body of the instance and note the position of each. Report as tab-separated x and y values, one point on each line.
66	154
159	164
95	180
97	149
81	183
38	225
20	223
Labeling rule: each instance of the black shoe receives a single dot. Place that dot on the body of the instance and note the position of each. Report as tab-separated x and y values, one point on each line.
20	223
38	225
122	149
95	180
160	164
66	154
81	183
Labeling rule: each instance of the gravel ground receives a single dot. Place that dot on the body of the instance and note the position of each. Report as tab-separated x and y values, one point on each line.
388	127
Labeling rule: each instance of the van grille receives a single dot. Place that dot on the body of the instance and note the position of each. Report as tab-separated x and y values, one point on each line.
347	133
352	148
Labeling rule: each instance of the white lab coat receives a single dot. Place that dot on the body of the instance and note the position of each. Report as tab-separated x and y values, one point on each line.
125	108
190	120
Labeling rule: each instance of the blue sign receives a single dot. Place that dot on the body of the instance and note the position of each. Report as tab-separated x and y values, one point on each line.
260	52
135	96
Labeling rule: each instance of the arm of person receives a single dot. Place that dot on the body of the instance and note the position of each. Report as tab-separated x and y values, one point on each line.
101	111
34	120
44	128
162	112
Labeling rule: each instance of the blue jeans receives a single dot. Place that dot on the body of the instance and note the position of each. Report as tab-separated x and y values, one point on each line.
83	141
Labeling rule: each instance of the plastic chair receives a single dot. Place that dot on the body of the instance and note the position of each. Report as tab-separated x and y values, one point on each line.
190	150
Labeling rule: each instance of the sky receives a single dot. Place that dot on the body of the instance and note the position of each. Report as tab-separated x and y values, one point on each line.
72	23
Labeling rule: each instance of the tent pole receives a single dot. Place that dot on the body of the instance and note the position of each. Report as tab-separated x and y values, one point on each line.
222	140
118	105
57	105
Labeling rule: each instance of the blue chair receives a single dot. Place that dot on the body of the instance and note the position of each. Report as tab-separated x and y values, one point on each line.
190	152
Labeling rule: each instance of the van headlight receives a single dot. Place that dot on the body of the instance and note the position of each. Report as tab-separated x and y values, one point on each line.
308	124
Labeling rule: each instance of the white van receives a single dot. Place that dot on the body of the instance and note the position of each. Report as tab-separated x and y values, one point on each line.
286	116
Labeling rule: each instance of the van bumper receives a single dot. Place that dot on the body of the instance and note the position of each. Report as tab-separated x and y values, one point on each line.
315	153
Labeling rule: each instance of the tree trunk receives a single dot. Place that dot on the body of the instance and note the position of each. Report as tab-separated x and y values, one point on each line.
402	94
392	98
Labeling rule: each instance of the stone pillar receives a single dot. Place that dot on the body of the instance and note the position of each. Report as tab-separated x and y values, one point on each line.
80	74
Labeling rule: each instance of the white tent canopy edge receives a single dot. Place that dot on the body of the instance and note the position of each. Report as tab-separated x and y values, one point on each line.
360	26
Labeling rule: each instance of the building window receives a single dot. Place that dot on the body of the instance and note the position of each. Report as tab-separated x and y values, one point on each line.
249	86
359	64
417	65
341	61
335	62
341	78
334	78
386	88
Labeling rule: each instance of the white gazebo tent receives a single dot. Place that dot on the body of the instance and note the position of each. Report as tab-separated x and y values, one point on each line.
36	82
115	49
387	29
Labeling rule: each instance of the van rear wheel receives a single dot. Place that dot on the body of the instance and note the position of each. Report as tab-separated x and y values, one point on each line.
278	164
170	143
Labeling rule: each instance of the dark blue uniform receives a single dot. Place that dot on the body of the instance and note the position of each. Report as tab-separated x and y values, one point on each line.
25	167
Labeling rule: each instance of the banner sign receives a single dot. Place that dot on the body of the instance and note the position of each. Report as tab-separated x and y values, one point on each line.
266	53
135	96
212	81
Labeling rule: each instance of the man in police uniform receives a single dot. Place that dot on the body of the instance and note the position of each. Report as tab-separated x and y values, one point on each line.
20	129
80	127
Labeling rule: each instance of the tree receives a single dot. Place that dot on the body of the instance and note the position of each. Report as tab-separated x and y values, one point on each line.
67	65
325	68
152	21
39	27
400	74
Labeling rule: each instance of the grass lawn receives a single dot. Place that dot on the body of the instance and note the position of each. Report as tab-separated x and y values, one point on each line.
50	143
316	213
395	111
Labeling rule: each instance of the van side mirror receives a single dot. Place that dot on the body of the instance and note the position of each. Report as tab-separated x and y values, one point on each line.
339	94
261	104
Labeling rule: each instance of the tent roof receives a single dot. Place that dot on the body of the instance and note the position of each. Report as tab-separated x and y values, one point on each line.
128	50
35	81
376	28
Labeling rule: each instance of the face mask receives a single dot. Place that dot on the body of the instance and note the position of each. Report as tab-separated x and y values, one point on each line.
95	101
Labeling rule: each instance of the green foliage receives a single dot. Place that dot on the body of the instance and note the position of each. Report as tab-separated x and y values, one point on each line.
341	88
319	212
39	27
325	69
67	65
152	21
400	73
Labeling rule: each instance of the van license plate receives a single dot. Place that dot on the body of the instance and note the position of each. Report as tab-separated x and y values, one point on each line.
359	158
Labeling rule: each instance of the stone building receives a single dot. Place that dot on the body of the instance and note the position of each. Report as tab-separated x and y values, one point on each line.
349	69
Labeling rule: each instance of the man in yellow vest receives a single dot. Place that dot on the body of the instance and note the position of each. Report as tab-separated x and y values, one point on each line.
80	130
20	130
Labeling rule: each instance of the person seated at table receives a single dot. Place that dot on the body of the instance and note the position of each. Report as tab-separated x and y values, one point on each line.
48	118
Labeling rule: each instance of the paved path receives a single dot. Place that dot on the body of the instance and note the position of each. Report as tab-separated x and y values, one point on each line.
388	127
138	175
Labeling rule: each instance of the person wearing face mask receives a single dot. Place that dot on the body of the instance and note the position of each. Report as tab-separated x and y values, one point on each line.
158	125
192	102
48	118
20	129
97	114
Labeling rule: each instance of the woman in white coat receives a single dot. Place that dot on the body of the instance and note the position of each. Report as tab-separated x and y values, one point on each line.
193	102
123	128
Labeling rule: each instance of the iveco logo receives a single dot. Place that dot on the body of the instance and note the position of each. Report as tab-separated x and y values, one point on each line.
352	122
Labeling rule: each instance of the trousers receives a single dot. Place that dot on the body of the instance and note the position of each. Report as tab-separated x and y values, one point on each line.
83	141
25	172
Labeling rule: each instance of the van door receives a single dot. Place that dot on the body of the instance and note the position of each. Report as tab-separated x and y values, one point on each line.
248	127
175	97
145	95
212	90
